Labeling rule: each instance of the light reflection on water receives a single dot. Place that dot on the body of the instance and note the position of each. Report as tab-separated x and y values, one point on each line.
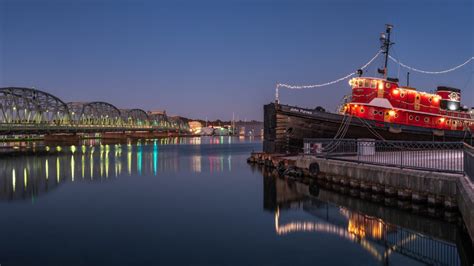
26	176
196	201
385	241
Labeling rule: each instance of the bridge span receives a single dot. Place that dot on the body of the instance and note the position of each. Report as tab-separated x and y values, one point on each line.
28	111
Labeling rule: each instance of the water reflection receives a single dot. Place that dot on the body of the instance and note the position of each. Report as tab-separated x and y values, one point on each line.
388	235
176	205
24	177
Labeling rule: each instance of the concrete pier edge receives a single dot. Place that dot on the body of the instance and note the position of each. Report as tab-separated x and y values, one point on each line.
433	188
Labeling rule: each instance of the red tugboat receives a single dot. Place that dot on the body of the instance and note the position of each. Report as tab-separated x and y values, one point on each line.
378	108
385	101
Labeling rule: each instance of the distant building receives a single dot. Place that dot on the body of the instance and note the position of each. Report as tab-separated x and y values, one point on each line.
247	129
157	112
195	127
198	128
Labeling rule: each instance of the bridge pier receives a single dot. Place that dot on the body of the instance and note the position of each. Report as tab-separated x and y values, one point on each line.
114	135
148	135
134	135
68	139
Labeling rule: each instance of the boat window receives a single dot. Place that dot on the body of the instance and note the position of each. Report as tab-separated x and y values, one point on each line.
402	94
388	85
417	118
373	84
396	115
410	117
361	83
362	110
375	112
427	120
367	83
430	99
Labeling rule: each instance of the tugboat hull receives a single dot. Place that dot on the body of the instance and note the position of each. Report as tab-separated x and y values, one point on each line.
286	126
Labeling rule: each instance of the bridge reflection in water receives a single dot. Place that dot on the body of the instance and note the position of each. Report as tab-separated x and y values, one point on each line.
378	230
26	177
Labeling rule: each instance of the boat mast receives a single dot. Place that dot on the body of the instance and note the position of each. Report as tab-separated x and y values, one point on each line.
385	40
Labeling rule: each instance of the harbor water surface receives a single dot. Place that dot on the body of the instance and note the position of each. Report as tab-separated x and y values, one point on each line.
195	201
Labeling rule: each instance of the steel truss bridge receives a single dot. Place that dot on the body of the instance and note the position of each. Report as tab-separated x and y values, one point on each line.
31	111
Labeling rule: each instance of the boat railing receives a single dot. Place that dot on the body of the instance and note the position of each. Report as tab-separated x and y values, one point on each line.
419	155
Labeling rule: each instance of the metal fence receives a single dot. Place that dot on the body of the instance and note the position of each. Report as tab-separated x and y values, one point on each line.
420	155
469	161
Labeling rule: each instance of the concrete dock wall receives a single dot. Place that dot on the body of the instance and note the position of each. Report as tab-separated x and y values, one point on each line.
465	199
453	191
450	190
439	184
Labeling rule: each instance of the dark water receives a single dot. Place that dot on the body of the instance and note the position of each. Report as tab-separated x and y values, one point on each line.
197	202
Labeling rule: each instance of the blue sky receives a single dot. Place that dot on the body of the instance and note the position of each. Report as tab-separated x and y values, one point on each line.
211	58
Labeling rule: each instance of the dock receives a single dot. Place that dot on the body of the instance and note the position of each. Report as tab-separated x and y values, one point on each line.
435	174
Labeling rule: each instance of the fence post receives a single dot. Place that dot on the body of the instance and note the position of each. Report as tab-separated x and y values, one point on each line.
357	150
464	159
326	154
401	158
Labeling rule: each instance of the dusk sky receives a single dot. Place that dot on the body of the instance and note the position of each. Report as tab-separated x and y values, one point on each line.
211	58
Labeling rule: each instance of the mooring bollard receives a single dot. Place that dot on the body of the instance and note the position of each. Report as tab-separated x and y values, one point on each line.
314	169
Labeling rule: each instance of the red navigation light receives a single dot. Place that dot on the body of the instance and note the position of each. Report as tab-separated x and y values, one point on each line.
441	120
395	91
436	99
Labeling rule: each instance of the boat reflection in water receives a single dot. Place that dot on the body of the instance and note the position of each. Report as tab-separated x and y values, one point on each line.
26	177
387	234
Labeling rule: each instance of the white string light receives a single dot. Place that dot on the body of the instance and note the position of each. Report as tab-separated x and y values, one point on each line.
299	87
431	72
